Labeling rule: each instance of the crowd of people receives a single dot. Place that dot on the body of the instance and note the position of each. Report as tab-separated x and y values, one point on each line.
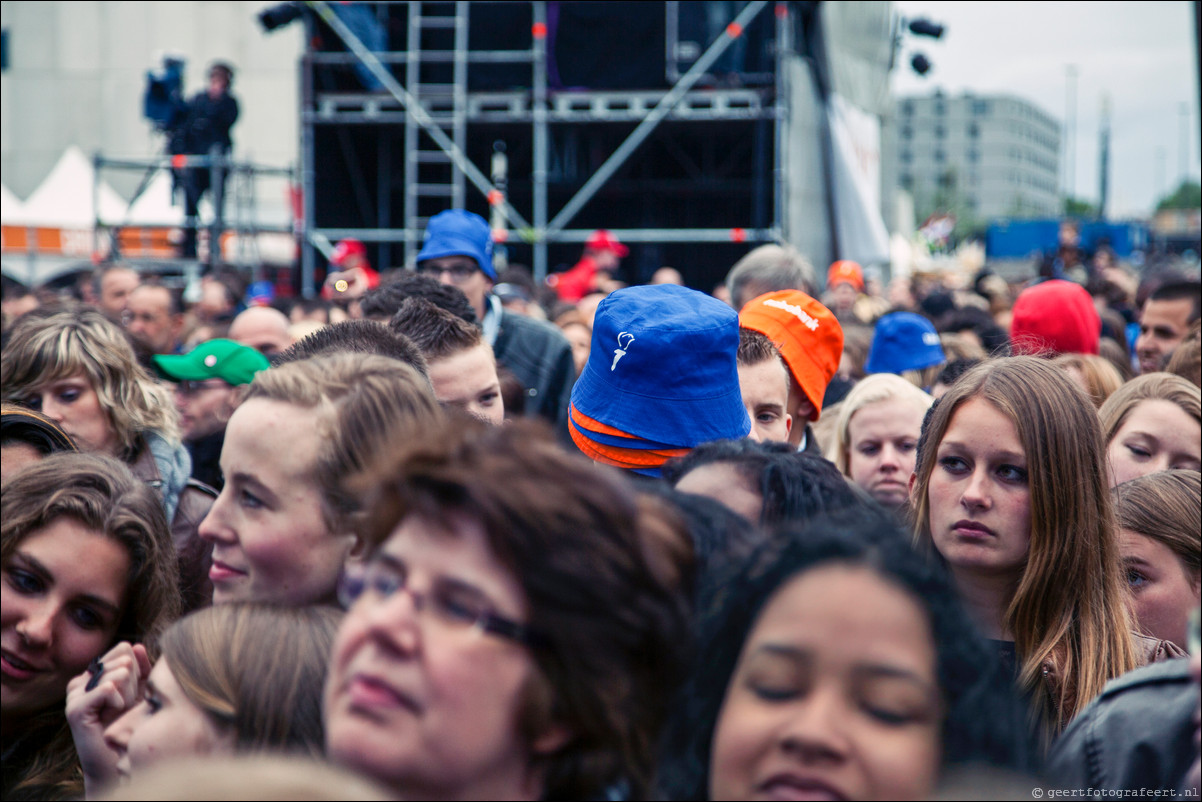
446	532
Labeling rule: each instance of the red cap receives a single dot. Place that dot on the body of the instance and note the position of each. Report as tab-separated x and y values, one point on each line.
346	249
847	271
1057	316
602	240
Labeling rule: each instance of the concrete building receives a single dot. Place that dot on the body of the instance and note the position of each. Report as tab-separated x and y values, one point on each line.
979	156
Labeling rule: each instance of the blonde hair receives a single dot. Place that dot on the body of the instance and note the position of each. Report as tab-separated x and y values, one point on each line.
78	340
1149	387
1069	609
365	401
871	390
1101	377
257	671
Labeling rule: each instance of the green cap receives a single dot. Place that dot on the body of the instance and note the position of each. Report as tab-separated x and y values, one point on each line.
227	360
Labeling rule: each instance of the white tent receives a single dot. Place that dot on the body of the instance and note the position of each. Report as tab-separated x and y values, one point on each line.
12	211
64	199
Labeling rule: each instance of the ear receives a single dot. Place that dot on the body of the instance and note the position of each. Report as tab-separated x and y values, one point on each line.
555	737
788	424
913	481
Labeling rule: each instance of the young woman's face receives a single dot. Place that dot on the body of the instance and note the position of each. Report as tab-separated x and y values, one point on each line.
74	405
1157	435
58	611
978	495
270	539
419	698
165	724
882	445
835	696
1163	594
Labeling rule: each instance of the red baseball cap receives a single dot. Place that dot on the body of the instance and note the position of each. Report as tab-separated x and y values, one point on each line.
345	249
602	240
847	271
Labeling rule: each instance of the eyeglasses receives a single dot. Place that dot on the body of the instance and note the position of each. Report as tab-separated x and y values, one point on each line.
458	272
451	606
191	388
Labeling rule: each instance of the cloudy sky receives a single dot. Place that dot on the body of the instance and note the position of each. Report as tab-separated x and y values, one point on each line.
1140	54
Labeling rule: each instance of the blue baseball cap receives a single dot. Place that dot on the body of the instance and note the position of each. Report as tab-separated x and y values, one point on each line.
903	341
663	368
456	232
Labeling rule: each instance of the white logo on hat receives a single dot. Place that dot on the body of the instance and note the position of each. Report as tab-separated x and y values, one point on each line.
624	341
210	360
930	338
796	311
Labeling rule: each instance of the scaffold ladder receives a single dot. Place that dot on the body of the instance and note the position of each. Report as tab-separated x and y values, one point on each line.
430	175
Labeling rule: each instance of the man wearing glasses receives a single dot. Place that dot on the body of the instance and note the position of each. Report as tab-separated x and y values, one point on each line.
210	380
458	251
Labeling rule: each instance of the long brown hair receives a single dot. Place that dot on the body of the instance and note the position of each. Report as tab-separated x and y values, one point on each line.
100	493
1069	607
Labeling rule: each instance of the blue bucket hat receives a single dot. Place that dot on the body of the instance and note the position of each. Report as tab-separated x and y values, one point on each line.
903	341
662	367
456	232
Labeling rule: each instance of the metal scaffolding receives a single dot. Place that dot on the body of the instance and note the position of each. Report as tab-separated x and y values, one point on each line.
443	113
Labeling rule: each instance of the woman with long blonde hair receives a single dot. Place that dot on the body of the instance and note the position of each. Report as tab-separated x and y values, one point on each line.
1011	493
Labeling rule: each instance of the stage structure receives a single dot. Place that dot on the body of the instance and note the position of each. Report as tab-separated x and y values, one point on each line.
692	130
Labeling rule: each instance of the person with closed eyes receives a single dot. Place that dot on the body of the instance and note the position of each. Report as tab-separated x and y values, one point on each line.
838	664
1152	423
59	613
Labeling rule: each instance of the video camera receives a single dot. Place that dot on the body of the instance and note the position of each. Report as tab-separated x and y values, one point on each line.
163	101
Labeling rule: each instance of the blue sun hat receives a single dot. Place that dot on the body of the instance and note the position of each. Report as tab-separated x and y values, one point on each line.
662	368
903	341
457	232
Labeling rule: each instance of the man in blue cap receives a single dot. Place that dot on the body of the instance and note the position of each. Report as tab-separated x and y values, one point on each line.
458	251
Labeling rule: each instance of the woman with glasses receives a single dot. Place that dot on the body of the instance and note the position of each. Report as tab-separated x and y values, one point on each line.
513	634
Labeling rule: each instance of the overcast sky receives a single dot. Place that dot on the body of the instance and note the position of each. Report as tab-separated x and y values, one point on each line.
1141	54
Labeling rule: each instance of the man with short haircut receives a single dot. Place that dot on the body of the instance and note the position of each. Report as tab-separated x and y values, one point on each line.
810	340
111	286
463	370
209	386
384	301
458	251
263	328
1164	322
155	318
356	337
768	268
764	383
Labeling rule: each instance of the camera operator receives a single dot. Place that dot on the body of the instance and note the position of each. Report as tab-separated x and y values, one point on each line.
204	122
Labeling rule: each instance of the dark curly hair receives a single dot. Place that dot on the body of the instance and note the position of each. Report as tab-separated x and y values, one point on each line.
984	720
795	486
